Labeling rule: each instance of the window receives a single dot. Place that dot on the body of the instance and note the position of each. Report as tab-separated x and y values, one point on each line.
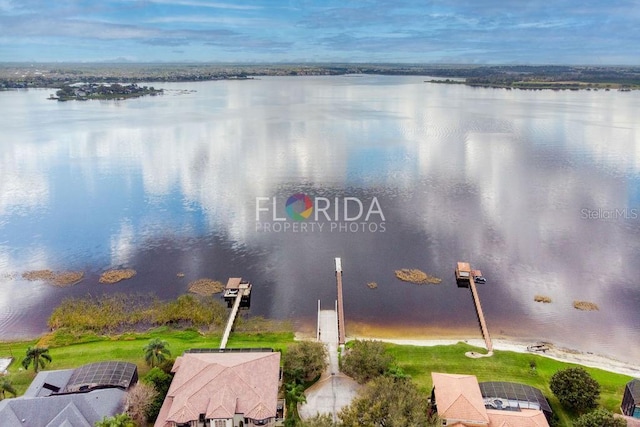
220	423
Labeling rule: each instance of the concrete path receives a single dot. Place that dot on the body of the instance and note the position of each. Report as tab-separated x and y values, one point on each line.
334	390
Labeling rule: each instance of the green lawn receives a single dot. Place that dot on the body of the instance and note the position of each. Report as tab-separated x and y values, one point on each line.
419	362
68	351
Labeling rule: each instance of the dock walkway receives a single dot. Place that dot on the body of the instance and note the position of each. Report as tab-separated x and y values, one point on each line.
230	321
483	323
334	390
341	326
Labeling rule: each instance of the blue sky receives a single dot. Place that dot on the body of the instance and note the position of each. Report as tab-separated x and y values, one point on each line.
440	31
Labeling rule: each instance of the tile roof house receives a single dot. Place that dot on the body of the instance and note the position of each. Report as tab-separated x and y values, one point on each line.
71	397
222	389
460	403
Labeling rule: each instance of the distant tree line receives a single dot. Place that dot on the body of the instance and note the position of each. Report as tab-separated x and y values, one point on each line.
59	76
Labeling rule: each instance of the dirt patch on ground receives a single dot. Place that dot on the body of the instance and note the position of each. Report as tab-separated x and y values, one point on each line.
206	287
416	276
114	276
542	298
585	306
56	278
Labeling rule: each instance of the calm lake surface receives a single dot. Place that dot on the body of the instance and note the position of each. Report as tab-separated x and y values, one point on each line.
538	189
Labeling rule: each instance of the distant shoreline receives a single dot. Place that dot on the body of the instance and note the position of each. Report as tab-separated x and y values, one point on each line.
22	76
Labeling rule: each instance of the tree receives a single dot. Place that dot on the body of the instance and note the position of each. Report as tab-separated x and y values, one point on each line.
120	420
38	356
140	399
156	352
599	418
366	360
6	387
320	420
160	381
304	361
294	394
575	389
389	402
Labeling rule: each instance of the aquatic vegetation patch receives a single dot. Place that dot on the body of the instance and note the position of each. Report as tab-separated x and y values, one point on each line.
372	285
416	276
56	278
114	276
206	287
542	298
585	306
124	312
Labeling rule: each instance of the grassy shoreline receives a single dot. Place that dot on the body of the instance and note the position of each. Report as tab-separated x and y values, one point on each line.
420	361
71	350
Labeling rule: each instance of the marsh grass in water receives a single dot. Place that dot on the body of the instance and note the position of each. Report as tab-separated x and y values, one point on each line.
416	276
118	312
206	287
115	276
56	278
585	306
542	298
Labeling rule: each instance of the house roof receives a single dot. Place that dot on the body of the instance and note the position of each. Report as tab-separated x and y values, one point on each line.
458	398
46	381
74	410
220	385
634	389
464	266
523	418
460	401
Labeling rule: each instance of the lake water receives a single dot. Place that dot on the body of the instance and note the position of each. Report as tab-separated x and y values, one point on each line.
538	189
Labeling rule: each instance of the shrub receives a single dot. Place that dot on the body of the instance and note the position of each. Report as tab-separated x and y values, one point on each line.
575	389
366	360
304	361
599	418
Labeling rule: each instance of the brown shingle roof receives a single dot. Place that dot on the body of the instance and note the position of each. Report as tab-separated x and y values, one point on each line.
220	385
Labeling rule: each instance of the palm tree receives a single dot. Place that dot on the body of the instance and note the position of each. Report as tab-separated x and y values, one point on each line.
294	395
6	387
39	356
156	352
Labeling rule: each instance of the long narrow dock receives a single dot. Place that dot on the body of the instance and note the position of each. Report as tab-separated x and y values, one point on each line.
341	326
465	277
230	321
237	294
483	322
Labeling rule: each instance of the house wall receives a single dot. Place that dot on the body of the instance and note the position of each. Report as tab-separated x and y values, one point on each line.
271	423
628	405
220	423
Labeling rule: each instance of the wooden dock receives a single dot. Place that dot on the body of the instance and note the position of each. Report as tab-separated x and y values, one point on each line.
481	319
341	325
230	321
464	275
237	294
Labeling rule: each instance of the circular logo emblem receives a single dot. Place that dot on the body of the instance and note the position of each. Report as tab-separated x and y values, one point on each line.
299	207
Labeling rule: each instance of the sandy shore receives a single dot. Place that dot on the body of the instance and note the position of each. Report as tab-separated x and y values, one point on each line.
561	354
